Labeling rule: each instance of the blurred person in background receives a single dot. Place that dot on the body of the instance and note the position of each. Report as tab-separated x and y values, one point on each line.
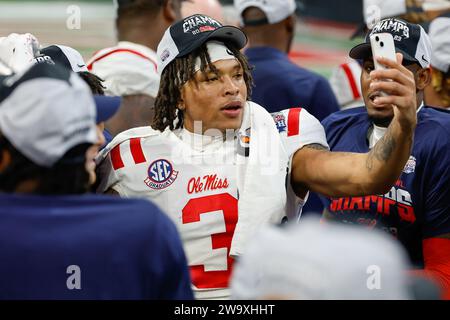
434	9
344	82
58	242
437	93
17	52
211	8
416	210
312	261
23	50
71	59
129	68
375	10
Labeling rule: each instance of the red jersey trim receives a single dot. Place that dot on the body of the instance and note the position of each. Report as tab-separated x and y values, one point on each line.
136	150
294	122
116	158
351	80
121	50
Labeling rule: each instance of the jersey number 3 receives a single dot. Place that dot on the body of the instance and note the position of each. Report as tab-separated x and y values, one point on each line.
191	213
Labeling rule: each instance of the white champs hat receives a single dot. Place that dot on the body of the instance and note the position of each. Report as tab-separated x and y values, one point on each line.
46	111
275	10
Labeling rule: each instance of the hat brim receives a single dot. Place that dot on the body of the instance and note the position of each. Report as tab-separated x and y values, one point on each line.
226	34
364	51
106	106
361	51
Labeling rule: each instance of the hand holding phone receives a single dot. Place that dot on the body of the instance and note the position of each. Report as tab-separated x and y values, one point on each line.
393	81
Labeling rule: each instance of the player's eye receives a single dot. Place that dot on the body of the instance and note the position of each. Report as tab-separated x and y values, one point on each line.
368	67
212	78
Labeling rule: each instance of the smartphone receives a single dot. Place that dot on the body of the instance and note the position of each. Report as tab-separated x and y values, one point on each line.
382	46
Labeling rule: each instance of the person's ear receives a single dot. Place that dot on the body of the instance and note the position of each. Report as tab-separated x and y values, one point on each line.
180	105
422	78
290	23
172	11
5	159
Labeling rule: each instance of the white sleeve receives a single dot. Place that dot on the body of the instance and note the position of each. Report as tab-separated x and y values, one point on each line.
298	128
118	177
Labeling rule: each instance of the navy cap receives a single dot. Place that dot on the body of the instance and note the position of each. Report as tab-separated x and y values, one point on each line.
106	106
190	33
410	40
62	55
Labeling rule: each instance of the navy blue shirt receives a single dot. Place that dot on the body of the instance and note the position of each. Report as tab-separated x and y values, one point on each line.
418	205
281	84
89	247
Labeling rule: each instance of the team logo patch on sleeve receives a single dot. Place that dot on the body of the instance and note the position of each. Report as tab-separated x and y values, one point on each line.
280	121
161	174
410	166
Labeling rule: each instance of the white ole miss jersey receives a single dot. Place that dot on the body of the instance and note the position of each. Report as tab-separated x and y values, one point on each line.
127	69
193	184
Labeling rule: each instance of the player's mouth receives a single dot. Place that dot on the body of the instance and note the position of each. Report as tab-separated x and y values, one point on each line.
232	109
377	94
374	95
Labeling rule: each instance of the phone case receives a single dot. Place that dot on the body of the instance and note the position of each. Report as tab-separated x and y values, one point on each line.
382	46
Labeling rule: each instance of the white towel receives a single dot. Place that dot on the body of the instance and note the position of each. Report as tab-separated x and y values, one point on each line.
261	177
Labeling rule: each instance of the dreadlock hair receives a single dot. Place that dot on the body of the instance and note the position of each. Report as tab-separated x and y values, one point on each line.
180	71
67	176
94	82
441	84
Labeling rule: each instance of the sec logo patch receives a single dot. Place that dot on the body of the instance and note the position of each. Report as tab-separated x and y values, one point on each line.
161	174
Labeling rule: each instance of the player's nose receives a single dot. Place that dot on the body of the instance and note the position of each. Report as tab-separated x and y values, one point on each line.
231	88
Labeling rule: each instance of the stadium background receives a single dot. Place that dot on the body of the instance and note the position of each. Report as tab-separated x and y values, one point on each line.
322	40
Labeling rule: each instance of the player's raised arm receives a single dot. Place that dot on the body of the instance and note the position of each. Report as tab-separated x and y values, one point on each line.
339	173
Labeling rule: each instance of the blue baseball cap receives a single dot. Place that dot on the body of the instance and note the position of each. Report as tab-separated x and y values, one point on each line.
106	106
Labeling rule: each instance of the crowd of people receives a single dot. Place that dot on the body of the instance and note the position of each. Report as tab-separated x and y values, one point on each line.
177	163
